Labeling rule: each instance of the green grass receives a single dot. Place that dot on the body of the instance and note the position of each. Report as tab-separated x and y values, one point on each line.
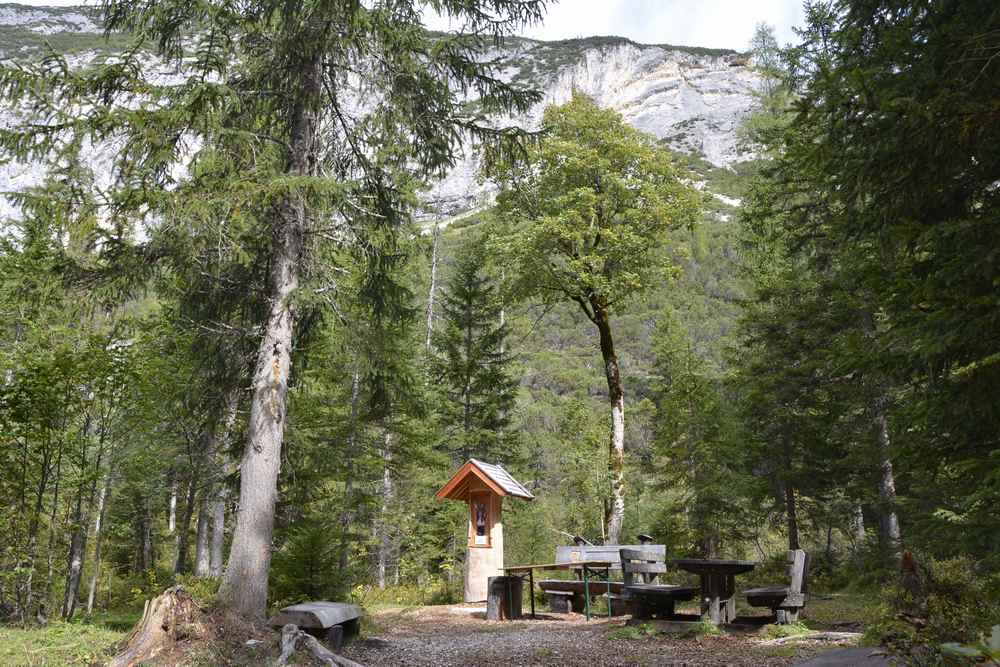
774	631
57	644
840	609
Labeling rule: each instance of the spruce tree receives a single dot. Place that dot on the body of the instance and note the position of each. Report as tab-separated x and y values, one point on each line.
472	364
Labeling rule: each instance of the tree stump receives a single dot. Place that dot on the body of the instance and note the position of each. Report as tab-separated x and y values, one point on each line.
170	616
504	596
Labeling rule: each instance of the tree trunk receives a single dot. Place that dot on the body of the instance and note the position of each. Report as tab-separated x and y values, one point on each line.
220	492
146	539
218	510
384	540
352	433
172	514
244	586
202	559
616	447
433	288
102	506
889	523
793	521
77	551
858	526
183	536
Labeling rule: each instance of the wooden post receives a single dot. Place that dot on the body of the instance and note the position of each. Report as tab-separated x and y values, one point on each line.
504	598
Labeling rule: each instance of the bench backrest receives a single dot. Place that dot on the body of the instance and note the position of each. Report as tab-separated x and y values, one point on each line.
798	571
647	563
605	552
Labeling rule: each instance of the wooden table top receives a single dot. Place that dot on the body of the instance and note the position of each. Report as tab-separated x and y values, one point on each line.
592	564
715	565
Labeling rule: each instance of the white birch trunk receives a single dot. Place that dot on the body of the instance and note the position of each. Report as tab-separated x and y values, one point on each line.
102	506
433	288
172	516
220	493
887	482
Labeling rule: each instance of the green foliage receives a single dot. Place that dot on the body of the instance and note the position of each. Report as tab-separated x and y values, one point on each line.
471	366
950	601
589	209
987	649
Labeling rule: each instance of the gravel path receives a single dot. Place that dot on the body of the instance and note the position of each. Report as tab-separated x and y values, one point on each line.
460	635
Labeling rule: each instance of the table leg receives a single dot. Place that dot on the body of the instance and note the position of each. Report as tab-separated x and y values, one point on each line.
730	599
510	602
586	592
711	593
531	590
607	577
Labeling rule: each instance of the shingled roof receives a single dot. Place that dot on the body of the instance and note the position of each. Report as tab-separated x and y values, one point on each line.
494	476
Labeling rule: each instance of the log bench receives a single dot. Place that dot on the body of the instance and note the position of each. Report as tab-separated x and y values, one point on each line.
329	622
785	602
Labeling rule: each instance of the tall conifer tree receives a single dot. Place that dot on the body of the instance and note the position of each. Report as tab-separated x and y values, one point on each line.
472	366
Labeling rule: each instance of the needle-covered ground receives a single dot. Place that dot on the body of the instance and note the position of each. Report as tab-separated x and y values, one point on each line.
460	635
454	635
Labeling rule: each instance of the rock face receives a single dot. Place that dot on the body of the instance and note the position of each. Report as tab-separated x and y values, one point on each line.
691	99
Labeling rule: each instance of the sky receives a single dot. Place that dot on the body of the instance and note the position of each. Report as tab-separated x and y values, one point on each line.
714	23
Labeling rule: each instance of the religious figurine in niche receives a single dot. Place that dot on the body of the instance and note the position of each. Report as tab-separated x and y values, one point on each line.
479	508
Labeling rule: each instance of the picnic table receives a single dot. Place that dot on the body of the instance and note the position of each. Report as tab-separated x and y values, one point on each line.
718	585
598	568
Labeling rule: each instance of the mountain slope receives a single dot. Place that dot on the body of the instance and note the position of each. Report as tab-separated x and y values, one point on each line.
690	98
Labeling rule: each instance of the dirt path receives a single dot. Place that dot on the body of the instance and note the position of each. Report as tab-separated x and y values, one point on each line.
460	635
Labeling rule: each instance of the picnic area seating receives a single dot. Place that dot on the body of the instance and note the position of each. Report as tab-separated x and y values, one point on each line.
327	621
565	595
642	596
785	602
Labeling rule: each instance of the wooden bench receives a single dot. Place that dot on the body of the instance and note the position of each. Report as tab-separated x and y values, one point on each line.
327	621
642	596
785	602
564	595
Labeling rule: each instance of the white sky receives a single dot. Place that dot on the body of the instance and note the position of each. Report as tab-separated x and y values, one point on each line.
715	23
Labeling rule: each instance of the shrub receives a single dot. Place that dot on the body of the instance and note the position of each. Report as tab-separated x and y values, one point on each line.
948	601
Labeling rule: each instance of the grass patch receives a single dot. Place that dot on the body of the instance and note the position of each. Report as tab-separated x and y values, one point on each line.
633	632
57	644
841	609
775	631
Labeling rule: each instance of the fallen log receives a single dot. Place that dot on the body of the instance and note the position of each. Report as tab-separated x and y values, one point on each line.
815	636
167	618
292	638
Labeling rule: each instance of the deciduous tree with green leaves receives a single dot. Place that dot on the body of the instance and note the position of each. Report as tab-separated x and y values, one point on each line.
590	210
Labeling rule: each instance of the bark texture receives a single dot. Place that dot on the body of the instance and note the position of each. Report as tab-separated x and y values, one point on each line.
433	288
167	618
102	507
244	586
616	446
889	524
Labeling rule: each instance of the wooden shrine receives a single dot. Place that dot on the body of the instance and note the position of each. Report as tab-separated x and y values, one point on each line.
483	486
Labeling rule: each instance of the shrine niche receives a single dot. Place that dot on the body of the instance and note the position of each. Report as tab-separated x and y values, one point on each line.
483	487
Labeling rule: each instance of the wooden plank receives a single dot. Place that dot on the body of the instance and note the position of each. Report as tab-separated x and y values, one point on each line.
648	554
606	552
316	615
648	568
592	564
